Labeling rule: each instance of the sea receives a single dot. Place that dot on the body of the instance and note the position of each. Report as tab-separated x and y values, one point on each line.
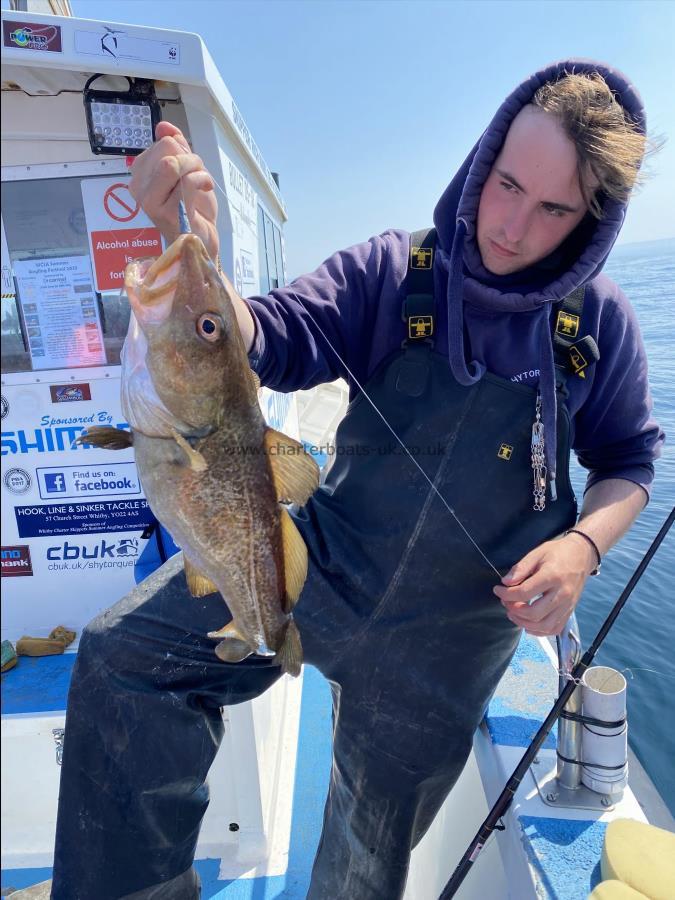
641	643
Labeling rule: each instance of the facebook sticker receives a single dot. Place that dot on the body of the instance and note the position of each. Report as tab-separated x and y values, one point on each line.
55	483
79	482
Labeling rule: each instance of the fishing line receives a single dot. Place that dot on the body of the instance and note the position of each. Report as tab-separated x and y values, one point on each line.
632	669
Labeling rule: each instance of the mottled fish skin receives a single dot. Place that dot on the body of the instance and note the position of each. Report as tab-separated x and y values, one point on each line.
224	515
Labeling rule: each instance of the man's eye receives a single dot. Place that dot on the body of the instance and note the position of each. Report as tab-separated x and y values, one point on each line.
555	212
507	186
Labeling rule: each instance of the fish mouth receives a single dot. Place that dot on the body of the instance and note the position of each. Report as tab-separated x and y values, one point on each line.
151	282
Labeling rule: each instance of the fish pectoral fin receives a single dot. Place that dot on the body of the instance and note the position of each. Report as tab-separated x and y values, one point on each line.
229	631
290	655
233	651
234	647
295	473
106	437
295	560
199	585
195	458
256	380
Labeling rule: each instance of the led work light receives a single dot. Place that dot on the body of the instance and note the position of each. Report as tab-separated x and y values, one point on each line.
122	123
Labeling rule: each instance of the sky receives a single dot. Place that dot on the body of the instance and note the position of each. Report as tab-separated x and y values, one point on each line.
367	108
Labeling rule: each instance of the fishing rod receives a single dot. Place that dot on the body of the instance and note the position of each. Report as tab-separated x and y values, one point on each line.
507	795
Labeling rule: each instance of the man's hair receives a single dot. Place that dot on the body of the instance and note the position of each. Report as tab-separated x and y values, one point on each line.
610	147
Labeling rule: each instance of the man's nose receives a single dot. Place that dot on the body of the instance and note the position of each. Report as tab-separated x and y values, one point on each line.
517	224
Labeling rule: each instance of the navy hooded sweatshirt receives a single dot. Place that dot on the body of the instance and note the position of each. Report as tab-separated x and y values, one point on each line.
499	324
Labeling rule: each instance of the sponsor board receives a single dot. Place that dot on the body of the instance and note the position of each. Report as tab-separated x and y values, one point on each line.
17	481
16	561
69	393
39	433
106	516
109	479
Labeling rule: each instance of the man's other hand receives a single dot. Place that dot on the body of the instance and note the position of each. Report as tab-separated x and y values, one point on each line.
558	571
167	172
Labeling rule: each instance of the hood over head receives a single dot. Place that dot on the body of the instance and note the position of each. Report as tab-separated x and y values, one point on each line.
578	259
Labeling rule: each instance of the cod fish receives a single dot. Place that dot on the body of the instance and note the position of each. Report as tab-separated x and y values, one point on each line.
215	475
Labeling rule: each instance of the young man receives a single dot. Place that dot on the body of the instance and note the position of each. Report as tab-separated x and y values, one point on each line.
404	608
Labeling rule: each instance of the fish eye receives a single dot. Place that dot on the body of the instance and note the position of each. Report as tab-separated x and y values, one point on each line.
210	327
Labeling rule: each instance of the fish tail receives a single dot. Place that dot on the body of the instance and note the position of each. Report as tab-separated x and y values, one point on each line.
289	657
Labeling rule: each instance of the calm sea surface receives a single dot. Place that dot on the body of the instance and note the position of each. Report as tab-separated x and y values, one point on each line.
642	641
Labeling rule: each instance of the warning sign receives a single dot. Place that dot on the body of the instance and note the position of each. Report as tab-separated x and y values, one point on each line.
113	250
119	230
119	204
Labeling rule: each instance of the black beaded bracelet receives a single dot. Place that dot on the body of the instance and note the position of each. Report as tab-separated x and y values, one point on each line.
596	570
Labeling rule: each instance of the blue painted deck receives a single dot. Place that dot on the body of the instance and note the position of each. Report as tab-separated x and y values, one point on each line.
41	685
564	853
37	684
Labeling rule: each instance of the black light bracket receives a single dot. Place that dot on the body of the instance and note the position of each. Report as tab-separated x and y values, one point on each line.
121	123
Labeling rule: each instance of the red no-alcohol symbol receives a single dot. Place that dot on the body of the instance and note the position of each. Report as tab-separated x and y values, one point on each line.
119	204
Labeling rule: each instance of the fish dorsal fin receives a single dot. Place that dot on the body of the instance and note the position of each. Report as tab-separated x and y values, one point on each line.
106	437
295	473
295	560
199	585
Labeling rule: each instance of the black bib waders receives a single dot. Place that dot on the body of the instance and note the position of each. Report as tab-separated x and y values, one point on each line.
397	612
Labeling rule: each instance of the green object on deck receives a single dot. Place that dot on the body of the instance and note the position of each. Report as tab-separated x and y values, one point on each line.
8	656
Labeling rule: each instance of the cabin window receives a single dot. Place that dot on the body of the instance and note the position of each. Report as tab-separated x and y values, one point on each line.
279	256
270	253
262	254
53	318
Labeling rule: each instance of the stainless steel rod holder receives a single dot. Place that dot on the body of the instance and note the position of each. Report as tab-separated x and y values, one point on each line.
569	731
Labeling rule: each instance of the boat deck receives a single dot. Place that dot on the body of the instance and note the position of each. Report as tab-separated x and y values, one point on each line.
547	852
41	686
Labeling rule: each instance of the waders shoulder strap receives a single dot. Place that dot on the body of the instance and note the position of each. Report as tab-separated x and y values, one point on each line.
572	354
418	306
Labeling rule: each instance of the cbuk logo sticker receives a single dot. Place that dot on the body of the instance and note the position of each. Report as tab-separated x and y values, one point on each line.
103	555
